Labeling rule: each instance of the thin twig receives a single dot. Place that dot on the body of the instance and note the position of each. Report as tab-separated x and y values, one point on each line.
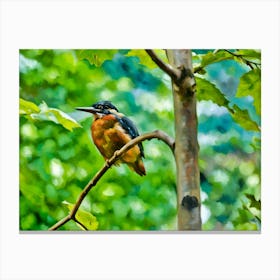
147	136
247	62
81	224
167	68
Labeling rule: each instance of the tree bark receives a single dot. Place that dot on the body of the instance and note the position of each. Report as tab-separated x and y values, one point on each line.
186	144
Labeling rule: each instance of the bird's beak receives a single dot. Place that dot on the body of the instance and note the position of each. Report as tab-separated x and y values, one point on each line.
88	109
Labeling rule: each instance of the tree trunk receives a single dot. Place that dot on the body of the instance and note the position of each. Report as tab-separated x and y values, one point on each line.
186	144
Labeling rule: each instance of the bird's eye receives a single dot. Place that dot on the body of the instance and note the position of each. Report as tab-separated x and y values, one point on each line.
99	107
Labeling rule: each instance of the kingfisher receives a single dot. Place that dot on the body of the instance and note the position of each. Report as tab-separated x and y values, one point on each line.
111	130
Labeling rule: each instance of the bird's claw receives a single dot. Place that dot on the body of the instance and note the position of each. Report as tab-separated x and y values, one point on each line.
107	162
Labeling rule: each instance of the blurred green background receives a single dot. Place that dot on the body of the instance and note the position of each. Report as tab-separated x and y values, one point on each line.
57	159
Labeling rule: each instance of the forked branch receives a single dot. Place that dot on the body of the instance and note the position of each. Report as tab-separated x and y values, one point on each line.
167	68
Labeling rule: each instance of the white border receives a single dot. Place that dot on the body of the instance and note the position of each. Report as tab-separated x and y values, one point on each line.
152	24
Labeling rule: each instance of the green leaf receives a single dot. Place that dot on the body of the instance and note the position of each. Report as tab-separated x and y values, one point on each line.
145	59
44	113
253	202
96	57
250	85
213	57
208	91
84	217
27	107
243	118
249	54
56	116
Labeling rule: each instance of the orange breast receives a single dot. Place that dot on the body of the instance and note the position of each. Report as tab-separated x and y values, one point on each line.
109	136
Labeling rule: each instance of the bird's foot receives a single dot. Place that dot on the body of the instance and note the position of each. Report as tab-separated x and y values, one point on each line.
107	162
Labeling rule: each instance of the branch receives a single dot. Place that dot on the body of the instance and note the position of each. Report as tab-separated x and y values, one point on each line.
167	68
147	136
247	62
78	222
61	222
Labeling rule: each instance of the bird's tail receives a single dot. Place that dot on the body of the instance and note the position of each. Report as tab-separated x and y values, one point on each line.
138	167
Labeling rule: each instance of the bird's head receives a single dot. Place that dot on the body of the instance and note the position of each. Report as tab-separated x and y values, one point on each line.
100	108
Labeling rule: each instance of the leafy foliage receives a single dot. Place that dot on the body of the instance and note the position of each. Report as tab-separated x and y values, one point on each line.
96	57
249	54
208	91
243	118
44	113
214	57
250	85
58	158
